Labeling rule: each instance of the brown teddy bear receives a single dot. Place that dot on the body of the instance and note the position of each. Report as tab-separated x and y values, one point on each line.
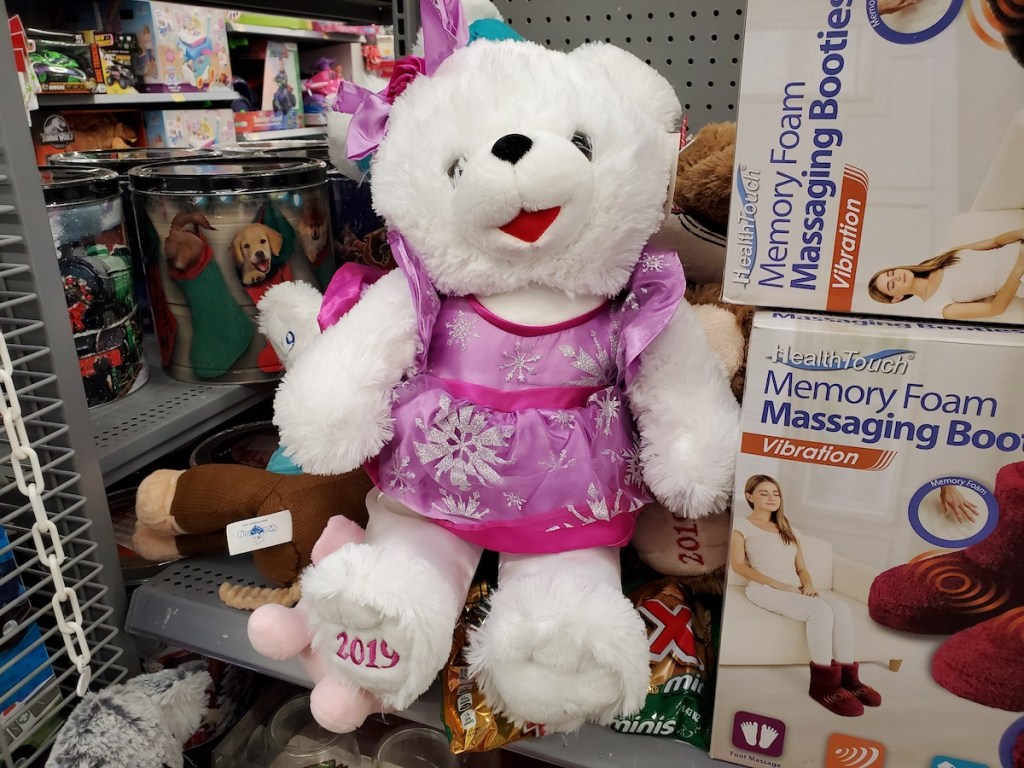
184	513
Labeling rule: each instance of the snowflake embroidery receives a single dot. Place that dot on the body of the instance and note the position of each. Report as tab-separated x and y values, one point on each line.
634	466
554	463
520	362
399	477
607	410
652	262
460	507
565	419
463	444
630	302
599	509
599	368
462	329
514	500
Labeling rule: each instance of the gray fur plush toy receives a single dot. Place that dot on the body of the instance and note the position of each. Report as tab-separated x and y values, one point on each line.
138	724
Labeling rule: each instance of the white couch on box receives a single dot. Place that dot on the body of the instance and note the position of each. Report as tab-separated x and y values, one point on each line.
777	640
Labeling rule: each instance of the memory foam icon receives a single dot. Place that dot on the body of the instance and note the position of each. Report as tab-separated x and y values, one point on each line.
845	751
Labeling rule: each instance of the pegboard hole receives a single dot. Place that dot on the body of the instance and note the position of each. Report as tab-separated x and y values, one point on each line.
693	14
693	38
686	107
629	17
689	84
668	62
711	84
650	40
650	15
710	107
714	37
711	60
629	40
670	38
528	20
671	14
715	12
689	61
587	18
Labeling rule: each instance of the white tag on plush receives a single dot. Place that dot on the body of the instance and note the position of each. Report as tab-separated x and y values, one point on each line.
259	532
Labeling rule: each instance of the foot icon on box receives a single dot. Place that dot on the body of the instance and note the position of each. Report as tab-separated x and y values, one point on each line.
759	734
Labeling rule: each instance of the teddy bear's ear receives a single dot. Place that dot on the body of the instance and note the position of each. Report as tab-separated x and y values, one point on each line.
636	80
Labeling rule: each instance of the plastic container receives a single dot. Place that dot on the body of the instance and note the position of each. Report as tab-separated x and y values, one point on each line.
120	161
414	747
250	444
225	231
87	222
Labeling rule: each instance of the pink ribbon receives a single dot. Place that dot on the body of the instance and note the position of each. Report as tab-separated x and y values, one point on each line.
444	30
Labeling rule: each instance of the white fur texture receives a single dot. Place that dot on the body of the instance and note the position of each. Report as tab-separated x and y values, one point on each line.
287	318
388	593
333	407
610	205
688	419
561	651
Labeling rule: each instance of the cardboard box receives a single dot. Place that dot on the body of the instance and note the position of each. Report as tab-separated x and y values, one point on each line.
118	55
27	690
868	426
64	62
182	47
75	130
184	128
268	20
871	141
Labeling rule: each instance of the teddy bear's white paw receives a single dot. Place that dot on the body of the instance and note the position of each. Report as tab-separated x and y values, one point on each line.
561	653
382	617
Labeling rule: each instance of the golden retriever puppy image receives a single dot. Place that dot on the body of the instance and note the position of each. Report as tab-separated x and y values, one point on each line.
254	246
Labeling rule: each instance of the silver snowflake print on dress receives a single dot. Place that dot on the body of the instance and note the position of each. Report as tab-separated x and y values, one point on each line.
598	368
400	476
565	419
463	445
599	508
630	302
607	410
554	463
460	507
461	330
634	475
652	262
520	362
513	500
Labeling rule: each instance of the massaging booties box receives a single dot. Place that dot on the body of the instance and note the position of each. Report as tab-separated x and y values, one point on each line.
875	138
894	450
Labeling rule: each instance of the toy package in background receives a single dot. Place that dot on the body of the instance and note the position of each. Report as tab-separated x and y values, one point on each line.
117	55
182	47
891	450
27	692
272	69
190	128
64	62
878	157
85	130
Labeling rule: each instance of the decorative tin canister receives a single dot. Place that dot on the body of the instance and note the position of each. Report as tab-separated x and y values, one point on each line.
358	231
87	221
120	161
226	231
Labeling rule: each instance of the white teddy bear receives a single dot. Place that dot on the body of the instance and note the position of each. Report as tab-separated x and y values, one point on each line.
526	382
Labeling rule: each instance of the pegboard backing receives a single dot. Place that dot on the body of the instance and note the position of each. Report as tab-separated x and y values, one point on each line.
695	44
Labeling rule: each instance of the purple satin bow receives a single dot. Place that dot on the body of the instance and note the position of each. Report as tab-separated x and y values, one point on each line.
444	30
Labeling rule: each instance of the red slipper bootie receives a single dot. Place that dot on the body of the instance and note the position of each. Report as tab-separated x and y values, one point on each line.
826	690
983	663
850	680
951	592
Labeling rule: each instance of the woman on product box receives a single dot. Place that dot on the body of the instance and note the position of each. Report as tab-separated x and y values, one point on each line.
971	282
766	550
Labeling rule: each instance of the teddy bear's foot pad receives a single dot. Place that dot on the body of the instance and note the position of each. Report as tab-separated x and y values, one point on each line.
561	653
386	615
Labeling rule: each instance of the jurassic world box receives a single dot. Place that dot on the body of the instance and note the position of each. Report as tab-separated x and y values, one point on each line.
878	159
874	606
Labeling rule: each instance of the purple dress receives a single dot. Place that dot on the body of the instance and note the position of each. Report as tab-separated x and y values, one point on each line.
519	438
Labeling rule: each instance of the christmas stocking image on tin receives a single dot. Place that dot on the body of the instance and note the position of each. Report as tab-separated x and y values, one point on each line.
221	329
262	251
955	591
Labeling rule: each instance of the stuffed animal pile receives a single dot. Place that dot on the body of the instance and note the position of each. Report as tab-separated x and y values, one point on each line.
527	381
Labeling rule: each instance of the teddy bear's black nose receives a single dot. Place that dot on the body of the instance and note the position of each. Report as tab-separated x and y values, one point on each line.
512	147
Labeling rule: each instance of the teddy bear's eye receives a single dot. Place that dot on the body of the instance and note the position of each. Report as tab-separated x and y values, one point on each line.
584	144
455	171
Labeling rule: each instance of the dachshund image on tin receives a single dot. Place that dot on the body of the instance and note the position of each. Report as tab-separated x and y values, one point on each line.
185	247
254	247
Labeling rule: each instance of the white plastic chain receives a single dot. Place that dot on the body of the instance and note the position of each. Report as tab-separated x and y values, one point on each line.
23	456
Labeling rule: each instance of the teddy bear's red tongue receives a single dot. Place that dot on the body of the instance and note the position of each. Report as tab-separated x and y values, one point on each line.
528	226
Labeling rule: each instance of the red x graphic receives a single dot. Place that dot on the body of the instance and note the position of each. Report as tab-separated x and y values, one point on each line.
672	632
